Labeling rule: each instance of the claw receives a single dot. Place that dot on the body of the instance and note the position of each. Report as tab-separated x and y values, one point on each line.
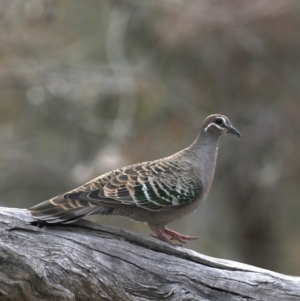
177	236
160	234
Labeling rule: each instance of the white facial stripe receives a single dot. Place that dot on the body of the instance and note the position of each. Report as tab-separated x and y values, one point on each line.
213	124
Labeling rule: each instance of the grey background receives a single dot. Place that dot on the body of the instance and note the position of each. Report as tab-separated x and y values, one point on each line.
88	86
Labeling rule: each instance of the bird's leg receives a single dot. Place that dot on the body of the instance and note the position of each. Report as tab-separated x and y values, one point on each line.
177	236
160	235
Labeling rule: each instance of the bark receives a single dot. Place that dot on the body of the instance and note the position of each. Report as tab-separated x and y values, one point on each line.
87	261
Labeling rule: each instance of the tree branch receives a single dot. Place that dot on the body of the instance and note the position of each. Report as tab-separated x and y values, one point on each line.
87	261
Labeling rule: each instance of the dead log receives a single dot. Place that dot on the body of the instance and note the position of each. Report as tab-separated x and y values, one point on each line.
87	261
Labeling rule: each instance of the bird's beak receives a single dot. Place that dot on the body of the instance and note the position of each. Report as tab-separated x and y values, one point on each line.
234	131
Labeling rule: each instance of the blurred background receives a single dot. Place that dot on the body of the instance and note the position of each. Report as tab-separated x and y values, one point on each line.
88	86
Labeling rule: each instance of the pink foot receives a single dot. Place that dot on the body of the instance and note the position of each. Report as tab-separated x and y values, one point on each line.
160	234
177	236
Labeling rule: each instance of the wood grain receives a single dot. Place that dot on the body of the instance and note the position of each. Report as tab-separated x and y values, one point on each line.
87	261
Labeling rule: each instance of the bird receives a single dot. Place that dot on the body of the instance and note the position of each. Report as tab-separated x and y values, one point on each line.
153	192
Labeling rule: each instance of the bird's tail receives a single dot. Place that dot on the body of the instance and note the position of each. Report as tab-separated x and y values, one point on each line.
61	210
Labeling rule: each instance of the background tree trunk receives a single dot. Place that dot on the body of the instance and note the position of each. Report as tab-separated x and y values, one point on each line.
87	261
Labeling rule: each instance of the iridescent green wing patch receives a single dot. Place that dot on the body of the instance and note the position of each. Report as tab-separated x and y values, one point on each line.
165	190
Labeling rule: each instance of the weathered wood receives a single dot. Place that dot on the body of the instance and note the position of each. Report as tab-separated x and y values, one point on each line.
87	261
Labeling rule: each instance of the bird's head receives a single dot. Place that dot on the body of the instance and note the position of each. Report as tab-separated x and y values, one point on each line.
219	125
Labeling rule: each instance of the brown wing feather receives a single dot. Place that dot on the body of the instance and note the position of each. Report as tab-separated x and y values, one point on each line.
103	194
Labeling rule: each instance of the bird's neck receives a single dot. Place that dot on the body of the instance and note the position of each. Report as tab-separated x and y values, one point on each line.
205	150
205	143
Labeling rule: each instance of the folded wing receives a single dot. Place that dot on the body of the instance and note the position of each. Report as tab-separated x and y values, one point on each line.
152	186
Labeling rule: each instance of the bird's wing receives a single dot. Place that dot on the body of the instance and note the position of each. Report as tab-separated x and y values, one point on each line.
151	186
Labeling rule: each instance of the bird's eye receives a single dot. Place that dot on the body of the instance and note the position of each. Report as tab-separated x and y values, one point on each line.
219	121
